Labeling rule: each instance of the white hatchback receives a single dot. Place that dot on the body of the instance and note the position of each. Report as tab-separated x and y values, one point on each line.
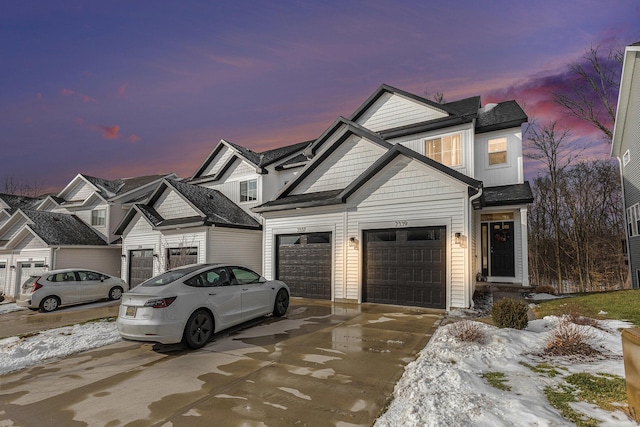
189	304
49	290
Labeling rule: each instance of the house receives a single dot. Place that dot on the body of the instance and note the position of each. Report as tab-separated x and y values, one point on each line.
71	229
406	202
625	146
208	217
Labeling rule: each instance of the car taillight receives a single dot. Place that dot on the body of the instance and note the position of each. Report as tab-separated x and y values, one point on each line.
36	285
160	302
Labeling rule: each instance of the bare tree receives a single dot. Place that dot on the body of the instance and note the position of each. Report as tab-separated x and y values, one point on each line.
552	146
9	185
436	97
593	94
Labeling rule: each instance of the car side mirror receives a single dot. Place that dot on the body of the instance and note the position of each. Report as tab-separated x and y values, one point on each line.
262	280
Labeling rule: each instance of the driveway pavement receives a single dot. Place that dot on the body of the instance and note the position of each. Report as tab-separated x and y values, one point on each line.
323	364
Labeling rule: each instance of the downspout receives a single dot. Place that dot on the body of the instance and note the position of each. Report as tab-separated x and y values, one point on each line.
470	262
625	225
54	258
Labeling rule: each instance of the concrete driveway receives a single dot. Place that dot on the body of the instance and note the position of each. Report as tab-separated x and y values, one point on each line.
324	364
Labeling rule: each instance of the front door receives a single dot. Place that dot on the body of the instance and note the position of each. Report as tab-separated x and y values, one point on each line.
140	266
502	259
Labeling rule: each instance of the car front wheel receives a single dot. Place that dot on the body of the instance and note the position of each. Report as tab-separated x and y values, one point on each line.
282	303
198	330
49	304
115	293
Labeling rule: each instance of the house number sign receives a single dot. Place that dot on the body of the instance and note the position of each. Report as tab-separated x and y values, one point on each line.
402	223
302	229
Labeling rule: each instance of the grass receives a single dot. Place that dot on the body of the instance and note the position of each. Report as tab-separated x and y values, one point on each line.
543	369
497	380
619	305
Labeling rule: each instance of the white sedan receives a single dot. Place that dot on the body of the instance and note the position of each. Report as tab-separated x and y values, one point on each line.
189	304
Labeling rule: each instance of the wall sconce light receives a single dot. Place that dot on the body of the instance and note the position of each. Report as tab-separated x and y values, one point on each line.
353	242
45	266
155	255
13	267
458	236
123	256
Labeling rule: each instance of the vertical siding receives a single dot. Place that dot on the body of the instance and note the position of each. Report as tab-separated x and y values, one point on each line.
504	174
417	143
343	166
243	247
171	205
106	260
393	110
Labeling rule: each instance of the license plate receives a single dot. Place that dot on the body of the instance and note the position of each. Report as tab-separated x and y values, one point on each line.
131	311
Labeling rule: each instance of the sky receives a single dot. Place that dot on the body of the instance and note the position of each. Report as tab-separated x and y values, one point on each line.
119	89
444	386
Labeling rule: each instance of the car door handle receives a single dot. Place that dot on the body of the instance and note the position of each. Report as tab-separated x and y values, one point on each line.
245	289
212	295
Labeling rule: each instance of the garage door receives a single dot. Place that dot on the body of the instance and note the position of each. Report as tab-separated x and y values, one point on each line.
140	266
27	269
304	263
405	266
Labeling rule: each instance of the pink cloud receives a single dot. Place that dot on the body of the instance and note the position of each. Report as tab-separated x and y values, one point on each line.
122	89
66	92
110	132
133	138
85	98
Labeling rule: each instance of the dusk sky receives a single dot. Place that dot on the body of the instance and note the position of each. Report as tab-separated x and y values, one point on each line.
125	88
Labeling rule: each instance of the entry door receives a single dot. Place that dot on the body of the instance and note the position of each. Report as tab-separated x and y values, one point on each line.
501	248
3	276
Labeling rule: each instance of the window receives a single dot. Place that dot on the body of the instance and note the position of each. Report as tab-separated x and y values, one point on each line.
248	190
633	220
216	277
626	158
497	151
245	276
98	217
445	150
90	275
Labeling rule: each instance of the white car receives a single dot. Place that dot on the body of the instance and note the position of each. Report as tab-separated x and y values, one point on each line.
189	304
51	289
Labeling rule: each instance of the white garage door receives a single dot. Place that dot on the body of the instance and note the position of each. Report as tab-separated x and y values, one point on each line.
26	269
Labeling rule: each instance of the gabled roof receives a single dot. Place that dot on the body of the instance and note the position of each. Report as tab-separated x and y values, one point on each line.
392	90
350	128
56	229
257	160
503	195
213	208
333	197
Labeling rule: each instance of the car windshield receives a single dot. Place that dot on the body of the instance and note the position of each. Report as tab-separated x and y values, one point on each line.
169	276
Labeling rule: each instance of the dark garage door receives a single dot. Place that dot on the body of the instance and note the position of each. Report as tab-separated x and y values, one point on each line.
140	266
405	266
304	263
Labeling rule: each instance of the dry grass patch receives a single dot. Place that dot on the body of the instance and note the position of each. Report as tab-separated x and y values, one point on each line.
467	331
569	339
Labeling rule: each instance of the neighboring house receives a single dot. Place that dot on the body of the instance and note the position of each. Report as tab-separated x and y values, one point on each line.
71	229
626	147
182	224
406	202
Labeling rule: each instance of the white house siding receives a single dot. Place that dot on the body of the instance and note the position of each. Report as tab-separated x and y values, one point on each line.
393	110
185	238
171	205
243	247
218	161
331	219
231	188
503	174
407	194
417	143
12	229
80	191
85	215
342	166
105	260
29	242
14	259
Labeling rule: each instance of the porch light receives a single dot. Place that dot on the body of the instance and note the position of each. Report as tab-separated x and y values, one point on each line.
13	267
458	238
123	256
155	255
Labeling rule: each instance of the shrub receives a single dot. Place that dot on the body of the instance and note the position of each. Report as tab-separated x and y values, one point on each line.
510	313
467	331
568	339
545	289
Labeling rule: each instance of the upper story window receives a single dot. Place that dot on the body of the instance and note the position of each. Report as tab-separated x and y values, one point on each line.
99	217
626	158
445	150
249	190
633	220
497	149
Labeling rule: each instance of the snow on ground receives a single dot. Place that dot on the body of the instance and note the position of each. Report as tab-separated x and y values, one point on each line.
443	387
9	307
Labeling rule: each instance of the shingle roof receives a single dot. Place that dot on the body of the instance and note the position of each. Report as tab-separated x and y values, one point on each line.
300	159
62	229
467	106
112	188
19	202
502	195
503	115
216	207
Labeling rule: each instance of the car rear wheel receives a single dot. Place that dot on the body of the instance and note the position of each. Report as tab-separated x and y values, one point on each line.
198	330
282	303
49	304
115	293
